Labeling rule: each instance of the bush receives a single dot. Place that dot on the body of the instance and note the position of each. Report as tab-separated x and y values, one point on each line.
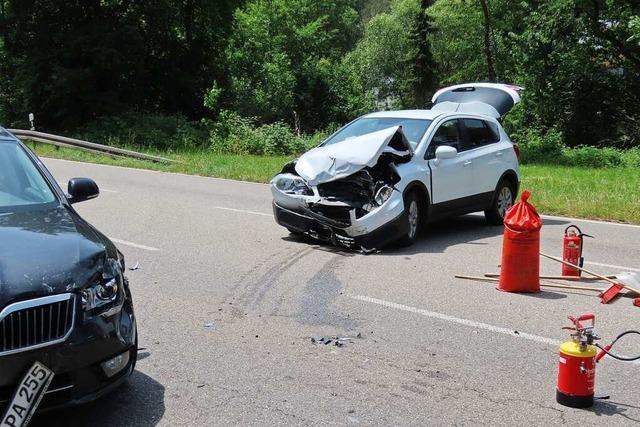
162	132
536	147
549	148
631	157
234	134
592	157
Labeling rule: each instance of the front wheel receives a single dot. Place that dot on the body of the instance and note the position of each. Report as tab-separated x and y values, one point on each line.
412	217
502	201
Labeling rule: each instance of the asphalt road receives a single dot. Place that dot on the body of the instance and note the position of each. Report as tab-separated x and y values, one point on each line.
227	303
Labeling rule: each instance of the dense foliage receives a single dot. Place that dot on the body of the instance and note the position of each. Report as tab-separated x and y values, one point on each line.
254	76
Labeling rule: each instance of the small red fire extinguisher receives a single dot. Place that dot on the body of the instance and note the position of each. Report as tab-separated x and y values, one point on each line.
577	365
572	246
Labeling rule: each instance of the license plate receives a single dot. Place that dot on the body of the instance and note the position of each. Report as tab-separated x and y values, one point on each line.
27	396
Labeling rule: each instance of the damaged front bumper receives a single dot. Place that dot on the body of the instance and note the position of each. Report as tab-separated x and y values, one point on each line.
337	222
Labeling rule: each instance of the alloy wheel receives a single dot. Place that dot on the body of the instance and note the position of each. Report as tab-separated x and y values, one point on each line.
505	200
413	219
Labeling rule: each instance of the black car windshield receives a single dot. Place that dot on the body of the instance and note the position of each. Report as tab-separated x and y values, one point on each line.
413	129
21	183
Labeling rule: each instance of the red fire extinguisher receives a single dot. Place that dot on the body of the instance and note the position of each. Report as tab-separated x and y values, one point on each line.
572	246
577	365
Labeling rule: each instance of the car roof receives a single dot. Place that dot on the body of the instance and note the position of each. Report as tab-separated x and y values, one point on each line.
407	114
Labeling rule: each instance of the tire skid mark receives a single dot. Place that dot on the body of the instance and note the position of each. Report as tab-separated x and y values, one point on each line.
255	290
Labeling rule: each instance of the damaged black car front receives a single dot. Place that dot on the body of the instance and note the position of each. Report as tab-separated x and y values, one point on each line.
348	193
67	325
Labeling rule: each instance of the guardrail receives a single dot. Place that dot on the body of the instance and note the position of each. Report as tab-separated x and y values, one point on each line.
92	147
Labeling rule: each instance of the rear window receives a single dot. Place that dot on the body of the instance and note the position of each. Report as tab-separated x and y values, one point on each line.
480	133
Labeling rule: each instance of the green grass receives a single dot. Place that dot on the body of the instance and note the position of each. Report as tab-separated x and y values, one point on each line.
607	194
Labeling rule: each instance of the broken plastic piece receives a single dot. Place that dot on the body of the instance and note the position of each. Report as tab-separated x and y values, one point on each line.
610	293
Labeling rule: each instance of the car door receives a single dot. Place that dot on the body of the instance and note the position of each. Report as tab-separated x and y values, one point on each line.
451	179
489	154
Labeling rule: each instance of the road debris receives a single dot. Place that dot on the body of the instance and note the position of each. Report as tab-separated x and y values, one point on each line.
135	267
209	325
336	340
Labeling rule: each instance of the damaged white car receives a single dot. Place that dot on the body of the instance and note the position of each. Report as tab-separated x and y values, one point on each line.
384	175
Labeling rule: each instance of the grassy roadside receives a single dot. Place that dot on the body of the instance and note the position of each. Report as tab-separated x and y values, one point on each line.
608	194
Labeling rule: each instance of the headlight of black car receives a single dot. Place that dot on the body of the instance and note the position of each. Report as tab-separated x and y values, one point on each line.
105	295
291	184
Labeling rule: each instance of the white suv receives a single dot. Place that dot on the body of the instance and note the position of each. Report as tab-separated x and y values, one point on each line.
382	176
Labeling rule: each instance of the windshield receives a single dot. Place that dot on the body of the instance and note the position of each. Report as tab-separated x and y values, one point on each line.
413	129
21	183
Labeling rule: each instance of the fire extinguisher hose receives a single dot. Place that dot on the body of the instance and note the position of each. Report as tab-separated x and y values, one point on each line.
606	349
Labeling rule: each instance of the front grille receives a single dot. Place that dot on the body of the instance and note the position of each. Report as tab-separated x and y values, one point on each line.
36	323
338	213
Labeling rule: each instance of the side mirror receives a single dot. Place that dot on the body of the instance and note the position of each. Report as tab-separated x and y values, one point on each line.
445	152
81	189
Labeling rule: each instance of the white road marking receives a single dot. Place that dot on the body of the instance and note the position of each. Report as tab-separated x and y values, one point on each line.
242	211
591	221
465	322
102	190
453	319
134	245
617	267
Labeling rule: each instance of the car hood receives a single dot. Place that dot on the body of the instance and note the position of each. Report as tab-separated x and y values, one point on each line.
47	251
336	161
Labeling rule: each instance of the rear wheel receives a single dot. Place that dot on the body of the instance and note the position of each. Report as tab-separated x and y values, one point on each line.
412	214
502	201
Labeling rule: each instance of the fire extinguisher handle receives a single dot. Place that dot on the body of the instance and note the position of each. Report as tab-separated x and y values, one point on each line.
573	226
586	317
582	318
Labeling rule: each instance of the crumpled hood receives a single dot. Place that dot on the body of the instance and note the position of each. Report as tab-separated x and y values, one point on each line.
46	251
339	160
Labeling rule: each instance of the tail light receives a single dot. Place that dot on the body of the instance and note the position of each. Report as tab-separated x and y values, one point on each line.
516	148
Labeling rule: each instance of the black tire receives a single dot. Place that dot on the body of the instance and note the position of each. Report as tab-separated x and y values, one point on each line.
412	215
503	198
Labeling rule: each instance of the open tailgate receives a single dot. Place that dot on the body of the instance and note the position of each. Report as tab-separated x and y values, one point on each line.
492	99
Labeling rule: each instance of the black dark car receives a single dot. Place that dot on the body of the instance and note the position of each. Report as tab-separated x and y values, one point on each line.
65	304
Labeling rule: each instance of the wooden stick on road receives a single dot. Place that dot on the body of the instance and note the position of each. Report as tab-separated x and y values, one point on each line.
590	272
491	279
570	278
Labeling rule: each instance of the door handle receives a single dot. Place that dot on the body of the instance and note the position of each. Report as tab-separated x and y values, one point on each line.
467	163
499	154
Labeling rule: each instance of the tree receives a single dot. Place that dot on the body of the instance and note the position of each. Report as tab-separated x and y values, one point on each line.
72	61
391	54
488	51
421	62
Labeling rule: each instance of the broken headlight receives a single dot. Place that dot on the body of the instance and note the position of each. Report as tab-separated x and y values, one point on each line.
291	184
383	194
106	294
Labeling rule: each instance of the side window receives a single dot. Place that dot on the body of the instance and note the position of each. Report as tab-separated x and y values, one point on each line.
447	134
480	133
495	131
